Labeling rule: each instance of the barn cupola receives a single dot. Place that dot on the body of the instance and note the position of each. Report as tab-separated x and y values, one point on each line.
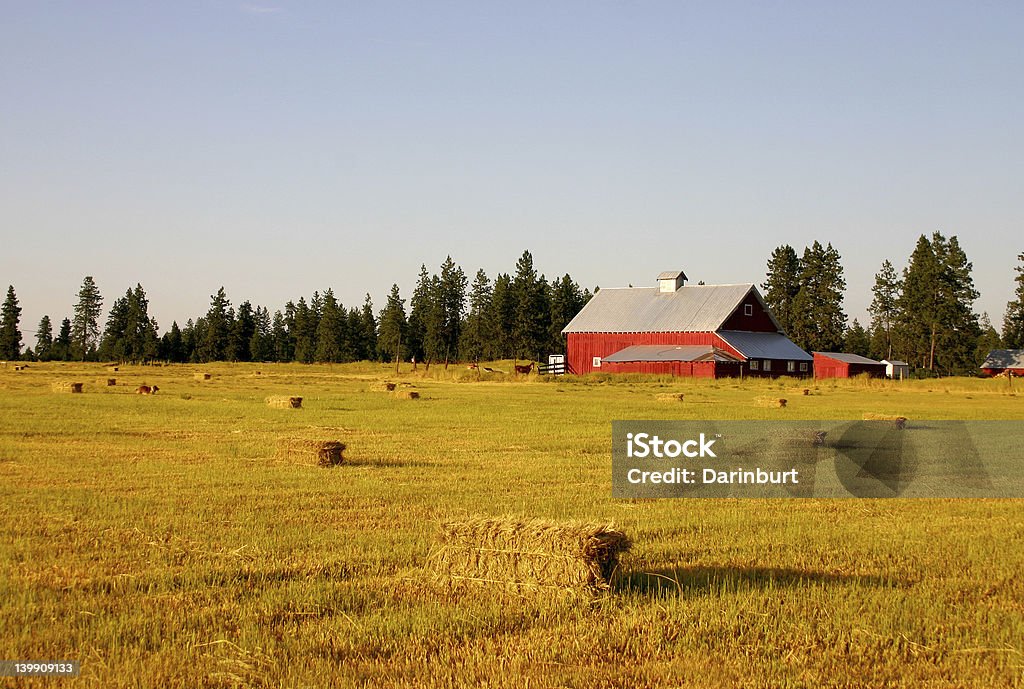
670	281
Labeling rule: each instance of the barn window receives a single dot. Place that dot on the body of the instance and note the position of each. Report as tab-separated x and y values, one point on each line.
597	362
790	367
753	364
803	366
748	309
767	364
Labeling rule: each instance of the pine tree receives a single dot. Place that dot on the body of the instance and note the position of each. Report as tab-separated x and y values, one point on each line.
818	322
937	326
113	345
141	337
10	336
857	341
987	341
531	312
283	348
391	340
475	343
433	319
304	332
958	338
172	345
261	343
44	339
369	330
329	330
1013	320
85	326
452	298
242	330
884	310
566	301
62	345
213	345
501	319
419	305
782	284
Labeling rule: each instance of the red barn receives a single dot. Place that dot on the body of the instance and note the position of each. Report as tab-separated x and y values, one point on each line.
843	365
684	330
1000	361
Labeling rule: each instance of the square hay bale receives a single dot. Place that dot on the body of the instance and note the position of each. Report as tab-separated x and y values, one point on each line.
671	397
382	386
528	554
899	421
770	402
801	391
112	369
407	395
322	452
64	386
111	382
202	376
284	402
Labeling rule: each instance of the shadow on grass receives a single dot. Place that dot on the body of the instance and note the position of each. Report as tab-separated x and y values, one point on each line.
696	580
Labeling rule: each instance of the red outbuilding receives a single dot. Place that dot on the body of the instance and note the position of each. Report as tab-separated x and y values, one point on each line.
684	330
843	365
1003	361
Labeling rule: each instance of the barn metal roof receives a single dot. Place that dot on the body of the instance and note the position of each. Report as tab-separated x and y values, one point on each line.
894	362
692	308
672	275
847	358
1004	358
764	345
670	353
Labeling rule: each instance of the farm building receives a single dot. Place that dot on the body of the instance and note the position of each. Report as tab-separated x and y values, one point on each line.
1000	361
897	370
685	330
842	365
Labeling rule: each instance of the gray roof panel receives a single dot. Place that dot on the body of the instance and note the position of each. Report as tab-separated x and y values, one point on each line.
847	358
672	275
764	345
693	308
1004	358
669	353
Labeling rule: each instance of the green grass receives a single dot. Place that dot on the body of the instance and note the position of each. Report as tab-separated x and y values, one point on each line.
162	542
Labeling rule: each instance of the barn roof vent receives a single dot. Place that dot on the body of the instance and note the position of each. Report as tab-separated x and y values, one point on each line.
671	280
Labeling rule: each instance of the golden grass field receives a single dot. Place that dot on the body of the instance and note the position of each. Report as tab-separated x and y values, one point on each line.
164	542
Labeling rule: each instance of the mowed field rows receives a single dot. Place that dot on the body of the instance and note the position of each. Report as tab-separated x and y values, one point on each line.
164	541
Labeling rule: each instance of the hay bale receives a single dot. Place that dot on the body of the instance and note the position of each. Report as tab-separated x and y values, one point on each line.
528	554
202	376
671	397
284	402
19	368
112	369
802	391
407	395
322	452
382	386
111	382
64	386
771	402
899	421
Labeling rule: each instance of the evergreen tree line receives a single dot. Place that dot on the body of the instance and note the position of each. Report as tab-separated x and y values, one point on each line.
448	319
923	315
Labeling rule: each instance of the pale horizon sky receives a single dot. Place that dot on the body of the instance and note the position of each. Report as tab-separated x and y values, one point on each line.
281	148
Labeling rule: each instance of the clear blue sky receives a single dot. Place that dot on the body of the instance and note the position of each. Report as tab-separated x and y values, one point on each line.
281	147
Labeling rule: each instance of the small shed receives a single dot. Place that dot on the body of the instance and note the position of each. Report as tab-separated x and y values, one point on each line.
897	370
845	365
1004	361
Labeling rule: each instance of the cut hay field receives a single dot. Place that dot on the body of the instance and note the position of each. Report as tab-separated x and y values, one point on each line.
165	541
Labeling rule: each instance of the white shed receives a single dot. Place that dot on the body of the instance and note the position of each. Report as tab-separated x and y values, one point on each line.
897	370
